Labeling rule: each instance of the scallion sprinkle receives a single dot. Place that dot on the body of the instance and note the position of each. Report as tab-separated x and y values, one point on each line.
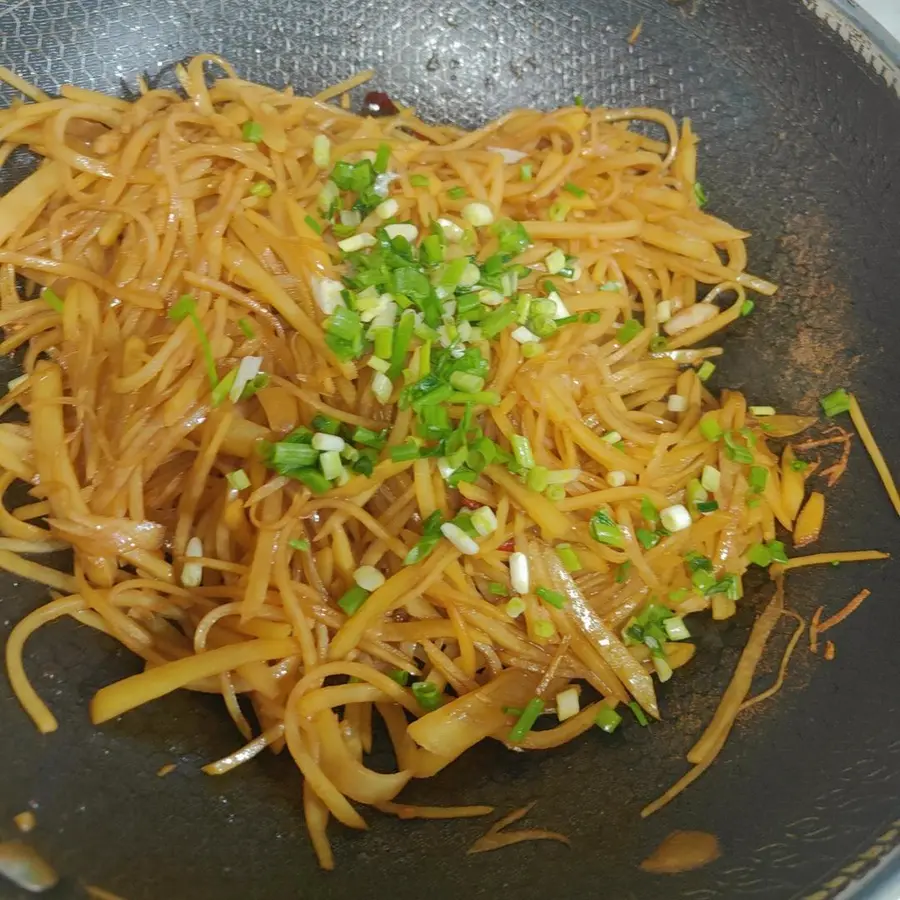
527	720
554	598
428	695
252	131
836	402
52	299
353	599
607	720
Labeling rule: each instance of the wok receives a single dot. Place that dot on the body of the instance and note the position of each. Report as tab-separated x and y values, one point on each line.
800	133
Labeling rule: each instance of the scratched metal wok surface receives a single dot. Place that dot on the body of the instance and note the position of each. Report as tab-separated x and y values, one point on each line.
801	145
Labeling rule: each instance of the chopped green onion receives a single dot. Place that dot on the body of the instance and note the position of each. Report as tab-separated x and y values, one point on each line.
757	479
707	506
402	337
697	562
836	402
186	308
525	172
369	438
555	492
605	530
799	465
498	320
747	307
313	224
526	721
568	557
246	328
536	480
558	211
52	299
401	676
405	452
610	286
465	381
735	451
574	190
700	194
710	429
261	189
643	721
649	511
521	447
221	391
759	555
238	479
776	549
419	180
591	317
331	464
511	236
299	544
554	598
648	539
428	695
353	599
706	370
579	100
325	424
607	720
457	193
381	159
498	590
629	331
252	131
675	628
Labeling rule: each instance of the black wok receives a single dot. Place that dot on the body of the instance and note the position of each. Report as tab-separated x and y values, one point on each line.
801	145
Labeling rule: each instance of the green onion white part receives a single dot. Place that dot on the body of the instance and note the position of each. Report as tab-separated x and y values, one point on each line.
478	214
459	539
663	669
453	233
510	156
676	629
323	441
711	478
759	411
677	403
567	704
382	387
691	317
368	578
555	260
484	521
238	480
518	572
515	607
192	572
321	151
675	518
387	209
611	437
523	335
327	294
331	464
405	230
616	479
247	370
563	476
664	311
357	242
351	218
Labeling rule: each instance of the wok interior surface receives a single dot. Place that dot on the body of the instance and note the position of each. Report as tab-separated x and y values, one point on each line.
800	146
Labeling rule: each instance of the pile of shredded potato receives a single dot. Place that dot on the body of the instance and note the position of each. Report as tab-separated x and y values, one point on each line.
346	417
